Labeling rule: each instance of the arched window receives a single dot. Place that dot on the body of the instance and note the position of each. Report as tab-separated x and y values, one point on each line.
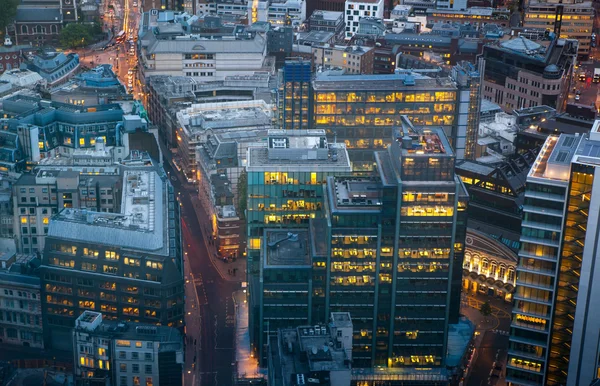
511	275
43	30
502	272
53	29
493	268
484	266
24	29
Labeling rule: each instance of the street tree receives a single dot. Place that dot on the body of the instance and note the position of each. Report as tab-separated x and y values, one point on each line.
75	35
7	15
485	309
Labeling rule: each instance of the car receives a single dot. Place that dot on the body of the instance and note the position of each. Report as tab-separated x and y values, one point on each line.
578	92
577	97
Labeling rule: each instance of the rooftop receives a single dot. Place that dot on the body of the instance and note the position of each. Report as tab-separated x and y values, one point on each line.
353	193
283	248
554	160
326	15
140	225
405	80
200	117
168	337
299	150
196	43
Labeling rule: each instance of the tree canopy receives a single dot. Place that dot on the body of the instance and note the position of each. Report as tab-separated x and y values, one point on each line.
485	309
75	35
7	15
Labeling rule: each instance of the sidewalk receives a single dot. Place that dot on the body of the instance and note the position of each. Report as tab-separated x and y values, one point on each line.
192	322
245	363
232	271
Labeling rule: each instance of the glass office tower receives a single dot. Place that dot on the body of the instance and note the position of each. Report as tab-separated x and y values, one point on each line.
394	242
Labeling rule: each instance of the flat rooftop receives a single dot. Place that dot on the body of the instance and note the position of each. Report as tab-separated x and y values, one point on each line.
286	248
260	160
140	225
355	193
199	117
332	81
554	159
426	143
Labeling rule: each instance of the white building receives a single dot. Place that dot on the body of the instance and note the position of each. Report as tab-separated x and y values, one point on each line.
22	78
126	354
357	9
277	12
202	58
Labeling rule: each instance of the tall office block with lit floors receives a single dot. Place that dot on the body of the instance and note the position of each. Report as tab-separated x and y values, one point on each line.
555	332
396	245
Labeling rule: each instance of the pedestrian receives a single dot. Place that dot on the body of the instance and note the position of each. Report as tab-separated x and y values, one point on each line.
194	342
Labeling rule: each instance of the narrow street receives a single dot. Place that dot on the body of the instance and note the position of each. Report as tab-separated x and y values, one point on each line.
214	296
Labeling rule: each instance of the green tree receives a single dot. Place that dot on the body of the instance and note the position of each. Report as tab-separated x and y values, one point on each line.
485	309
7	15
75	35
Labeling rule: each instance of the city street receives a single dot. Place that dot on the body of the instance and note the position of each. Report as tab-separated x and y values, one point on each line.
214	297
492	339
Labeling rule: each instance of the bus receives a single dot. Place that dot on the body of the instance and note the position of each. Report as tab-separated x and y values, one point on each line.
120	36
596	75
582	76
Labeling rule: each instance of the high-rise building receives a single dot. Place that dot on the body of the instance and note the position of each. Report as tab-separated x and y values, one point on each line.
126	354
284	189
521	73
555	328
127	265
395	252
294	99
285	181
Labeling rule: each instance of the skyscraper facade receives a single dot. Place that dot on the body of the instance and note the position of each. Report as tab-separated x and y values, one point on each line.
295	95
556	329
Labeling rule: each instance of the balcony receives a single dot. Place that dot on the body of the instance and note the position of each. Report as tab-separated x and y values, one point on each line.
540	210
541	225
545	196
536	240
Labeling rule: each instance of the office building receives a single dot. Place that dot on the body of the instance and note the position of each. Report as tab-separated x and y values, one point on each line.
356	10
294	97
553	332
199	121
361	110
468	79
129	354
168	49
327	21
351	59
20	299
127	265
285	182
571	19
400	233
521	73
478	17
278	13
460	5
